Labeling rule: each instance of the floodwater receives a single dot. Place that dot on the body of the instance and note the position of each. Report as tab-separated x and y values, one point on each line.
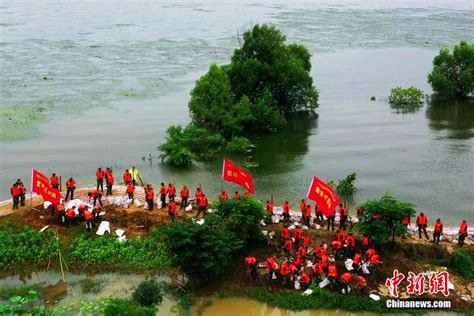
117	74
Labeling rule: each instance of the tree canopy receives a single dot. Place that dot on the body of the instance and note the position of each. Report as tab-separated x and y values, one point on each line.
266	80
452	76
383	218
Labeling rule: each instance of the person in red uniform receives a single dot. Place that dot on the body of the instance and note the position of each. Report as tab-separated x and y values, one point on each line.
60	209
342	215
285	273
70	188
96	195
332	272
287	247
336	246
341	235
81	209
236	195
360	212
130	189
366	242
15	192
286	212
150	195
172	210
127	176
361	284
202	205
438	231
163	192
109	179
330	217
223	196
305	280
88	217
269	208
285	233
462	233
184	197
374	262
318	270
356	261
99	175
308	214
318	213
96	212
306	241
171	191
303	205
54	181
345	280
406	222
70	213
251	263
271	267
302	252
422	223
350	244
298	235
22	189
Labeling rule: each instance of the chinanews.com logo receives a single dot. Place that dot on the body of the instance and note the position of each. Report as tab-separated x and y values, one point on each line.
418	284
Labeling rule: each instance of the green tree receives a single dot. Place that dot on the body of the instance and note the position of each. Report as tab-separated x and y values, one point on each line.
201	251
265	62
242	216
383	218
406	96
345	187
148	293
452	76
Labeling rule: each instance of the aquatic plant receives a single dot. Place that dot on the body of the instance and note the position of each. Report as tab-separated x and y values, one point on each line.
345	187
452	76
239	145
406	96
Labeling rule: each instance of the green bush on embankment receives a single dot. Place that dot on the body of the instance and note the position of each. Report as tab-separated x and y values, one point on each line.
462	263
135	253
21	245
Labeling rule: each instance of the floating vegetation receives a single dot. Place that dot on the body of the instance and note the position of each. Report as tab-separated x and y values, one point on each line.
19	121
131	93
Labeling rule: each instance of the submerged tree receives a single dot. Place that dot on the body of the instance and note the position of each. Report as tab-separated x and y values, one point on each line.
345	187
452	76
383	218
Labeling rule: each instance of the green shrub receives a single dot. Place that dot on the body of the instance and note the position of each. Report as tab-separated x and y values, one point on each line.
462	263
406	96
239	145
20	245
121	307
148	293
135	253
90	286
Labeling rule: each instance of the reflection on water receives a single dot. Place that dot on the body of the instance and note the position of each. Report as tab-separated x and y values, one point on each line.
282	151
405	108
451	119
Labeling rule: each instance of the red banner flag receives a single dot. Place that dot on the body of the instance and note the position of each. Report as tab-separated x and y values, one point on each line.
40	184
231	172
324	195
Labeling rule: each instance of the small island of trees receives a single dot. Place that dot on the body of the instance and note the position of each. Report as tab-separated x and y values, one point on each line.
266	80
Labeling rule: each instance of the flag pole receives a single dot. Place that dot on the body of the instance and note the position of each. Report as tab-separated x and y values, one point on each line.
31	190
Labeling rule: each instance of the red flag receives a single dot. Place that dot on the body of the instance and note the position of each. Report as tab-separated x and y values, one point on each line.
231	172
40	184
324	195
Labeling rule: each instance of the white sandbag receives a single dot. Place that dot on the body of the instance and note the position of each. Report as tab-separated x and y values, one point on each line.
44	228
349	263
297	285
308	292
375	297
450	285
324	283
122	238
305	227
119	232
343	291
309	264
188	208
262	222
103	227
275	219
200	222
47	204
159	204
274	276
318	226
210	210
291	227
265	232
102	213
364	268
137	203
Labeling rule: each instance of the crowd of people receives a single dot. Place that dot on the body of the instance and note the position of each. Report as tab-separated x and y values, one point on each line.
168	199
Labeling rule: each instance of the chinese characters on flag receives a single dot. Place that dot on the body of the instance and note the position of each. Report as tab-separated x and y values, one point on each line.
324	195
231	172
40	184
